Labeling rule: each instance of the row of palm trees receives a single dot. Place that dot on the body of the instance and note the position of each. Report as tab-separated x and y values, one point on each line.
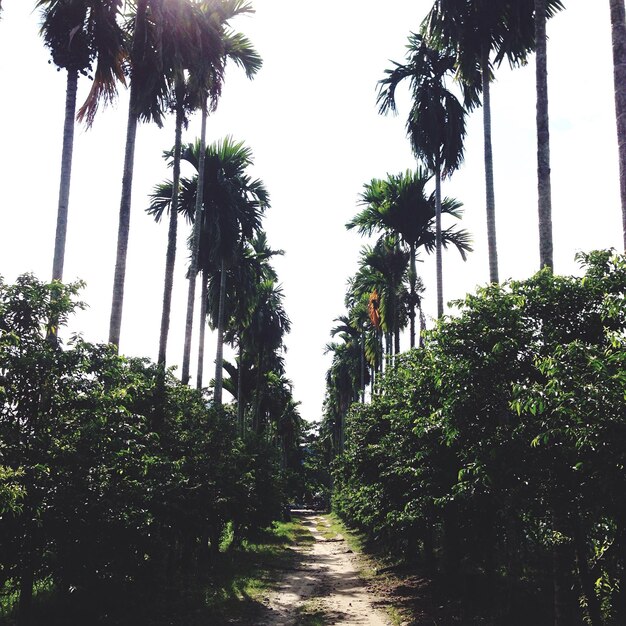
467	40
385	294
449	67
172	54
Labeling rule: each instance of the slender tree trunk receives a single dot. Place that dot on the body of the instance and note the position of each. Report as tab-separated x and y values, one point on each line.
240	400
438	242
195	250
543	140
219	355
412	281
66	175
489	185
422	327
119	277
618	32
170	258
123	230
362	342
204	294
256	424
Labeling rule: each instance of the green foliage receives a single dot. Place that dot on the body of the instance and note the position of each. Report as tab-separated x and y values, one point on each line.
91	497
503	442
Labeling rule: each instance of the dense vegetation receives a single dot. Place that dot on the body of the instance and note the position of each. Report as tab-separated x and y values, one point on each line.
491	455
494	455
111	482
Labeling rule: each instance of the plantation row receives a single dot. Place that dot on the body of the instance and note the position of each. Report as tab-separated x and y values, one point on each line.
494	455
113	478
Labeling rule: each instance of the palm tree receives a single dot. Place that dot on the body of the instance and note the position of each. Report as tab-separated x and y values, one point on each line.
543	140
363	313
149	75
383	269
176	44
399	205
251	268
153	69
79	33
618	35
472	30
208	82
232	212
351	329
263	338
190	93
436	124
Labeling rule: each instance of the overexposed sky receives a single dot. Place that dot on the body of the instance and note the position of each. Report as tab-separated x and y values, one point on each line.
310	118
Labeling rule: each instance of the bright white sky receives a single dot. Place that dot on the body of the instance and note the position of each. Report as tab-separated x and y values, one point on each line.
311	120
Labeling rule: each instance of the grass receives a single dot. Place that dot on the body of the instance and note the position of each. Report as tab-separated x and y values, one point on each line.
232	591
311	613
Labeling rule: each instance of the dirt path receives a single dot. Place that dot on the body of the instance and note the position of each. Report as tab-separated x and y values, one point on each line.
325	587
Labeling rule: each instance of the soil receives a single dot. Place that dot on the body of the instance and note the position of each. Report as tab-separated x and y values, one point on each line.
325	587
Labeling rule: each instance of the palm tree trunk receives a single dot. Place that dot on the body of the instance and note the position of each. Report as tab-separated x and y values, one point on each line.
362	342
195	250
618	32
204	294
66	175
412	281
438	241
240	400
219	356
115	323
170	257
489	185
256	418
543	140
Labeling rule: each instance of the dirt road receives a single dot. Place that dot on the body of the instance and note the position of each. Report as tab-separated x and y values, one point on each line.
325	587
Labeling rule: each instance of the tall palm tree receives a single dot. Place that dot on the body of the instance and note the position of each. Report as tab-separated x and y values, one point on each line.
251	269
78	34
351	330
232	210
383	268
176	43
264	338
150	72
618	36
399	205
153	68
193	84
436	124
544	192
208	82
343	379
473	30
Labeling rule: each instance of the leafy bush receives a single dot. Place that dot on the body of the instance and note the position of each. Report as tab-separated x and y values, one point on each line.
93	494
496	453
